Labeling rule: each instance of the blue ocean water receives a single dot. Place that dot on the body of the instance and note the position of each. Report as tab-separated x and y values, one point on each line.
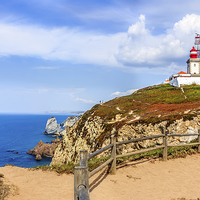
21	132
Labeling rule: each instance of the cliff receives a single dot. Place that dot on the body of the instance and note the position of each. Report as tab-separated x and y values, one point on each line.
145	112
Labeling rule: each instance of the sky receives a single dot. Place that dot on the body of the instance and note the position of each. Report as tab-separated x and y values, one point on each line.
69	55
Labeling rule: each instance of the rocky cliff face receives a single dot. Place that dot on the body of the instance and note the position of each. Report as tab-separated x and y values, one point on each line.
78	138
88	137
144	113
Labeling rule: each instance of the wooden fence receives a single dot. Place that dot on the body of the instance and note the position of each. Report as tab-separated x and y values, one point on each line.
81	174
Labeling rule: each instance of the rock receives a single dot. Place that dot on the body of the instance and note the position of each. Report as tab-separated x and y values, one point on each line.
87	136
52	127
43	149
56	140
70	121
61	133
38	157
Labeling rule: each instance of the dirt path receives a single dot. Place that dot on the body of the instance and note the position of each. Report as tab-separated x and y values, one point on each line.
142	180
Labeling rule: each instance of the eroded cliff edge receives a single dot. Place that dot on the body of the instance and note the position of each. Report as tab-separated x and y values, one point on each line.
145	112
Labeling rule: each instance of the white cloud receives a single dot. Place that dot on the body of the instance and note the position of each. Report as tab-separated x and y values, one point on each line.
141	47
85	100
41	90
114	14
124	93
137	47
139	27
71	44
25	99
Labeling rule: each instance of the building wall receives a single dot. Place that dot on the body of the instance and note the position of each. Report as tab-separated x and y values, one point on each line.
188	68
185	81
194	68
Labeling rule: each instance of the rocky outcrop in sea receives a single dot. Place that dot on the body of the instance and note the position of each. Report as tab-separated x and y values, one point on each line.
53	128
43	149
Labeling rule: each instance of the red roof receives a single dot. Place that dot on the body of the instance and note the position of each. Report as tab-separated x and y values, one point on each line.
181	72
193	49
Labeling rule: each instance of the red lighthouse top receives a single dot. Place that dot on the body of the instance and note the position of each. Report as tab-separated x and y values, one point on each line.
193	53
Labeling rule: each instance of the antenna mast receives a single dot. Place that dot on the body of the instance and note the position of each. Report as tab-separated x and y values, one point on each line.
197	44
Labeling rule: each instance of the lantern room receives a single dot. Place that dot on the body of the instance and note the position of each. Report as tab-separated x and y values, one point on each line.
193	53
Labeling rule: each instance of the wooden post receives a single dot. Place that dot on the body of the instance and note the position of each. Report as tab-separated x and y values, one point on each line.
81	180
83	157
113	155
199	140
165	145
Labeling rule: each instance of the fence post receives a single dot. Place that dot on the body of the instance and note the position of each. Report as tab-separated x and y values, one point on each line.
83	157
199	140
81	178
113	155
165	145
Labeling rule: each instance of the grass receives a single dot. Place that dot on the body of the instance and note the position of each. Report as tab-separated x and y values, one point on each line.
172	153
4	189
153	104
67	168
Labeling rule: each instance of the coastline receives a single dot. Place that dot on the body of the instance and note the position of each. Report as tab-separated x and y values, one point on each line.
22	132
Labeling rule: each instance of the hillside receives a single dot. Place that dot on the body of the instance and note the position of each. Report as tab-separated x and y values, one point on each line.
139	114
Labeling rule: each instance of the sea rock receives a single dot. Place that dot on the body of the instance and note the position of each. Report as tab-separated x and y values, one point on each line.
44	149
38	157
70	121
52	127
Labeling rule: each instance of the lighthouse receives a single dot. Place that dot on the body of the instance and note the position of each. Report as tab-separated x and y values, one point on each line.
193	68
193	63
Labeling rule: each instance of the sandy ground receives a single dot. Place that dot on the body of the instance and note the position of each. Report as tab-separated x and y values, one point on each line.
142	180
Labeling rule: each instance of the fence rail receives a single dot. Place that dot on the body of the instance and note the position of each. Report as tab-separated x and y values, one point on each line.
92	155
81	174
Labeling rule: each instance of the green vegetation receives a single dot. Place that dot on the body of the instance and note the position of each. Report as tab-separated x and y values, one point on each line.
172	153
153	104
96	162
4	189
67	168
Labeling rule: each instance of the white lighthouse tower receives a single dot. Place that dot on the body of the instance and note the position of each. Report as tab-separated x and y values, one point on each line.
193	63
193	68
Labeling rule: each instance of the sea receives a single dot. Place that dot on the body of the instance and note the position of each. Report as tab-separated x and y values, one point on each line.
20	133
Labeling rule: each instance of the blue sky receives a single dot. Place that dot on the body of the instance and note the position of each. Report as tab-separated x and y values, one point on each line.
68	55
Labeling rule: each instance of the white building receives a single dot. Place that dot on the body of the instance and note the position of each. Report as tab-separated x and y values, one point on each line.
193	72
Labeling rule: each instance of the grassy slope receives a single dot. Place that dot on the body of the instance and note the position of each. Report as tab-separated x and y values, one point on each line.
152	104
